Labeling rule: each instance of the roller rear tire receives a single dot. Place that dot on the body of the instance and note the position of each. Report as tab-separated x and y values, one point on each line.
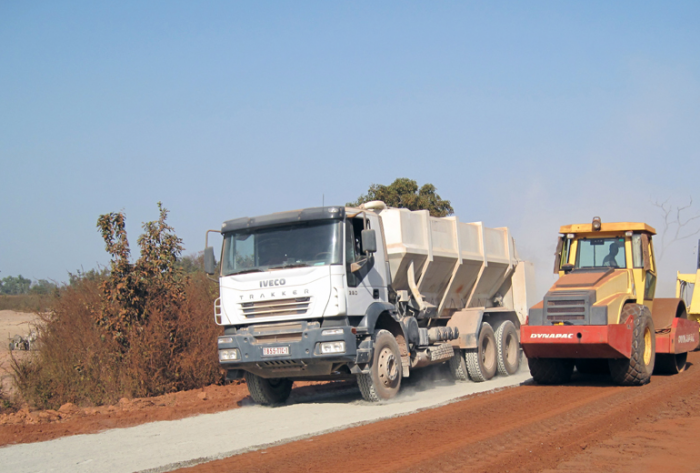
636	370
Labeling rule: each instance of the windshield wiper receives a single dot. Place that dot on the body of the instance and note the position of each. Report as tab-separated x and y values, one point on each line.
254	270
286	266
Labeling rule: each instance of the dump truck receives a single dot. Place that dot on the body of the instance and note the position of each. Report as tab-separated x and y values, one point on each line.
602	313
686	289
371	293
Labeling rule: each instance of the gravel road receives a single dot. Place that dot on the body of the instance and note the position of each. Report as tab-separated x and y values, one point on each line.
165	446
588	425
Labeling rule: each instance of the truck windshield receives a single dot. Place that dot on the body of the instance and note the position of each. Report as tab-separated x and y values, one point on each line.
601	253
300	244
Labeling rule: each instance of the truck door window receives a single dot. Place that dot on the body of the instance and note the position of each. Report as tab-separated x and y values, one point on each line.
353	249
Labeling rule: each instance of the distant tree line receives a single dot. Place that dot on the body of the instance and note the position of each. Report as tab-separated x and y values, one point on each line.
18	285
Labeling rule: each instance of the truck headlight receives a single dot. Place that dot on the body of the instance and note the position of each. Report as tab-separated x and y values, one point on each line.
231	354
224	340
332	347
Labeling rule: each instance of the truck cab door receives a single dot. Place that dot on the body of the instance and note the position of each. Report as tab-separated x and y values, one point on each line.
364	271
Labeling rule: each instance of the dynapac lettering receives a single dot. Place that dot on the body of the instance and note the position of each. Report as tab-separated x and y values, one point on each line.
552	335
686	338
273	282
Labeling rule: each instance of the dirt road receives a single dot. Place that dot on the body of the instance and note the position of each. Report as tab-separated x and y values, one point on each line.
588	425
164	446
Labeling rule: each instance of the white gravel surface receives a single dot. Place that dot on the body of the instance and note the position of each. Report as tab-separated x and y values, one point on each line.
166	446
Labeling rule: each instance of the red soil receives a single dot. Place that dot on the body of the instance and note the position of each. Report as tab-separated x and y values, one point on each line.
588	425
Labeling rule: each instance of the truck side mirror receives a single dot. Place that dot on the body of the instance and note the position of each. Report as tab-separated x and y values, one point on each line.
209	260
369	241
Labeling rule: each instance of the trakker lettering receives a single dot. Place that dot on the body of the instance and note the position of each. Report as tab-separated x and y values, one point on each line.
552	335
294	292
273	282
686	338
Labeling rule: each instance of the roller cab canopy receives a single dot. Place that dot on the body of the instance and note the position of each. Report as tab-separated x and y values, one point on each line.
613	227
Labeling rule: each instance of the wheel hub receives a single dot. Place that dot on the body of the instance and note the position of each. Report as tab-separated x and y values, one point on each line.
388	369
647	346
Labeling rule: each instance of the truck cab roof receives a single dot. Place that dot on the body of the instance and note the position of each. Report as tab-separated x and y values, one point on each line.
281	218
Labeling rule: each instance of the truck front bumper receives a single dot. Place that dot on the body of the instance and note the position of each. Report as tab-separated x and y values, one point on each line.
577	341
291	350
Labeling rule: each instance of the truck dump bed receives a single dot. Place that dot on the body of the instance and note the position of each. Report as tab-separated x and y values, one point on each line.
456	265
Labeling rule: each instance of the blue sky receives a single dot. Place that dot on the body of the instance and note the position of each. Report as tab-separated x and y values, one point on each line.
524	114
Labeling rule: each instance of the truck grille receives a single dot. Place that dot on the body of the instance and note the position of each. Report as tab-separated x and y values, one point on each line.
566	309
294	306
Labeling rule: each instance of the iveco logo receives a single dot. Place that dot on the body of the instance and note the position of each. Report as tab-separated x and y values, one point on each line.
552	335
273	282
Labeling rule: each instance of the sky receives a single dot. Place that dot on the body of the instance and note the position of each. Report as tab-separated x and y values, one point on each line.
529	115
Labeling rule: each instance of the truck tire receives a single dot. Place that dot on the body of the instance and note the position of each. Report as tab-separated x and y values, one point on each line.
482	362
268	392
458	366
384	378
551	370
508	348
670	363
636	370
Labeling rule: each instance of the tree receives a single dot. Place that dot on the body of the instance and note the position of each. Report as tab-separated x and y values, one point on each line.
155	280
12	286
404	193
43	287
677	226
192	263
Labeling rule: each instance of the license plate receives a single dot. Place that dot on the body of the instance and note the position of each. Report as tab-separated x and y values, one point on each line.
273	351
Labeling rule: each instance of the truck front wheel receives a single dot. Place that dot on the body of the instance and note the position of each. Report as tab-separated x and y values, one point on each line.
268	391
636	370
384	378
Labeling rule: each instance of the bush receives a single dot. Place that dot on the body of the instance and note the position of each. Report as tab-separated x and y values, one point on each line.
144	330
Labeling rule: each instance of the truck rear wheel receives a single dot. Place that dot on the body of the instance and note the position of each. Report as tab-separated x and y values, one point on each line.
482	363
551	370
508	348
458	366
670	364
636	370
268	391
384	378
